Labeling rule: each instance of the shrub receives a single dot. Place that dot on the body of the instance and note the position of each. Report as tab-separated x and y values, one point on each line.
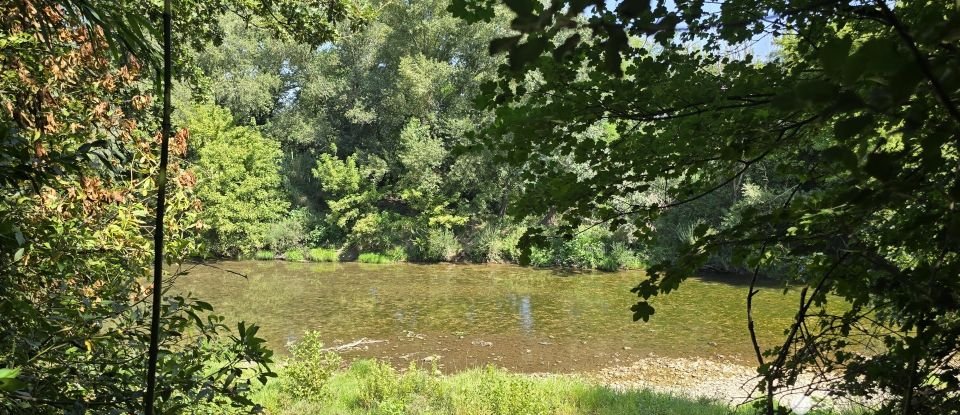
585	250
397	254
238	179
619	256
608	264
504	247
323	255
309	368
624	256
493	243
289	232
378	384
541	257
506	393
438	245
294	255
480	245
264	255
381	389
374	258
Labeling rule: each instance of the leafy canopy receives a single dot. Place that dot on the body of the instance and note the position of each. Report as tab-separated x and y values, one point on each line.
855	117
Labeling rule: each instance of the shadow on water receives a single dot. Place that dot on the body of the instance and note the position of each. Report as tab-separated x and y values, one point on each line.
738	279
573	272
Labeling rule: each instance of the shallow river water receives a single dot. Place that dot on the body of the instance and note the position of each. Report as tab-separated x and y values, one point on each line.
463	316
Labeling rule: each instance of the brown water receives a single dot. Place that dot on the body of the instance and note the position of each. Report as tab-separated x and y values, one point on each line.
464	316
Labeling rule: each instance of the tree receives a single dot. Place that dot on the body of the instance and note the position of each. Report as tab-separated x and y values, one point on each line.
75	236
238	180
360	97
77	170
856	117
351	193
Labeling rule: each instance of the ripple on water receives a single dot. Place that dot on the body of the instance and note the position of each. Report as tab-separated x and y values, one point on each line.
462	316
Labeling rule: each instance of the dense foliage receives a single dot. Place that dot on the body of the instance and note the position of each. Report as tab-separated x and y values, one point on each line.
843	145
370	126
78	171
238	180
367	123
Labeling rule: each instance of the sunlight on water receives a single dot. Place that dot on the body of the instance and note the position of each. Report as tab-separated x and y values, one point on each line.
469	315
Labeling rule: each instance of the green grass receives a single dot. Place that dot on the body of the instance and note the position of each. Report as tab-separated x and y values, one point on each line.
323	255
375	258
264	255
372	387
295	255
397	254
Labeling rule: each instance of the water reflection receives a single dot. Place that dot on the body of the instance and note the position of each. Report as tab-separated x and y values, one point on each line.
526	315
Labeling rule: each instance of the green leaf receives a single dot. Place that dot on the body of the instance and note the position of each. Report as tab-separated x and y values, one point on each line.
629	9
842	155
816	91
850	127
9	381
566	49
523	8
503	44
833	56
880	55
883	166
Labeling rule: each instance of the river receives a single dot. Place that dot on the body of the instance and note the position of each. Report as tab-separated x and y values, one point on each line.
461	316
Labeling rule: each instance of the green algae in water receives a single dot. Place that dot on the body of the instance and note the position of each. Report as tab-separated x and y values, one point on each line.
465	316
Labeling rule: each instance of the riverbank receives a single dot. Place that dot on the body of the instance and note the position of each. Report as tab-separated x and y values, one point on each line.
575	255
721	381
374	387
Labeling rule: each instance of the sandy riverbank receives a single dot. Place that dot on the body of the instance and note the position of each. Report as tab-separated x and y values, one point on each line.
726	381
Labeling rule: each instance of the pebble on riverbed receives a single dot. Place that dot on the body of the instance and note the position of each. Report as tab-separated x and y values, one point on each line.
700	378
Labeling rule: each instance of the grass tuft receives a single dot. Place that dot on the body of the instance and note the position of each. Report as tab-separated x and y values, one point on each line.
375	258
374	387
294	255
323	255
264	255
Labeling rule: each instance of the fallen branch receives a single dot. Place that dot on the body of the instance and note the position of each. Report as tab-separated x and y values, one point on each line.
353	345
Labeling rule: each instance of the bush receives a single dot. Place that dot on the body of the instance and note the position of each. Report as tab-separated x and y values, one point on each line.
397	254
289	232
381	389
438	245
378	383
505	247
541	257
505	393
294	255
494	243
374	258
585	250
624	256
264	255
479	245
309	368
238	180
323	255
594	249
618	257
